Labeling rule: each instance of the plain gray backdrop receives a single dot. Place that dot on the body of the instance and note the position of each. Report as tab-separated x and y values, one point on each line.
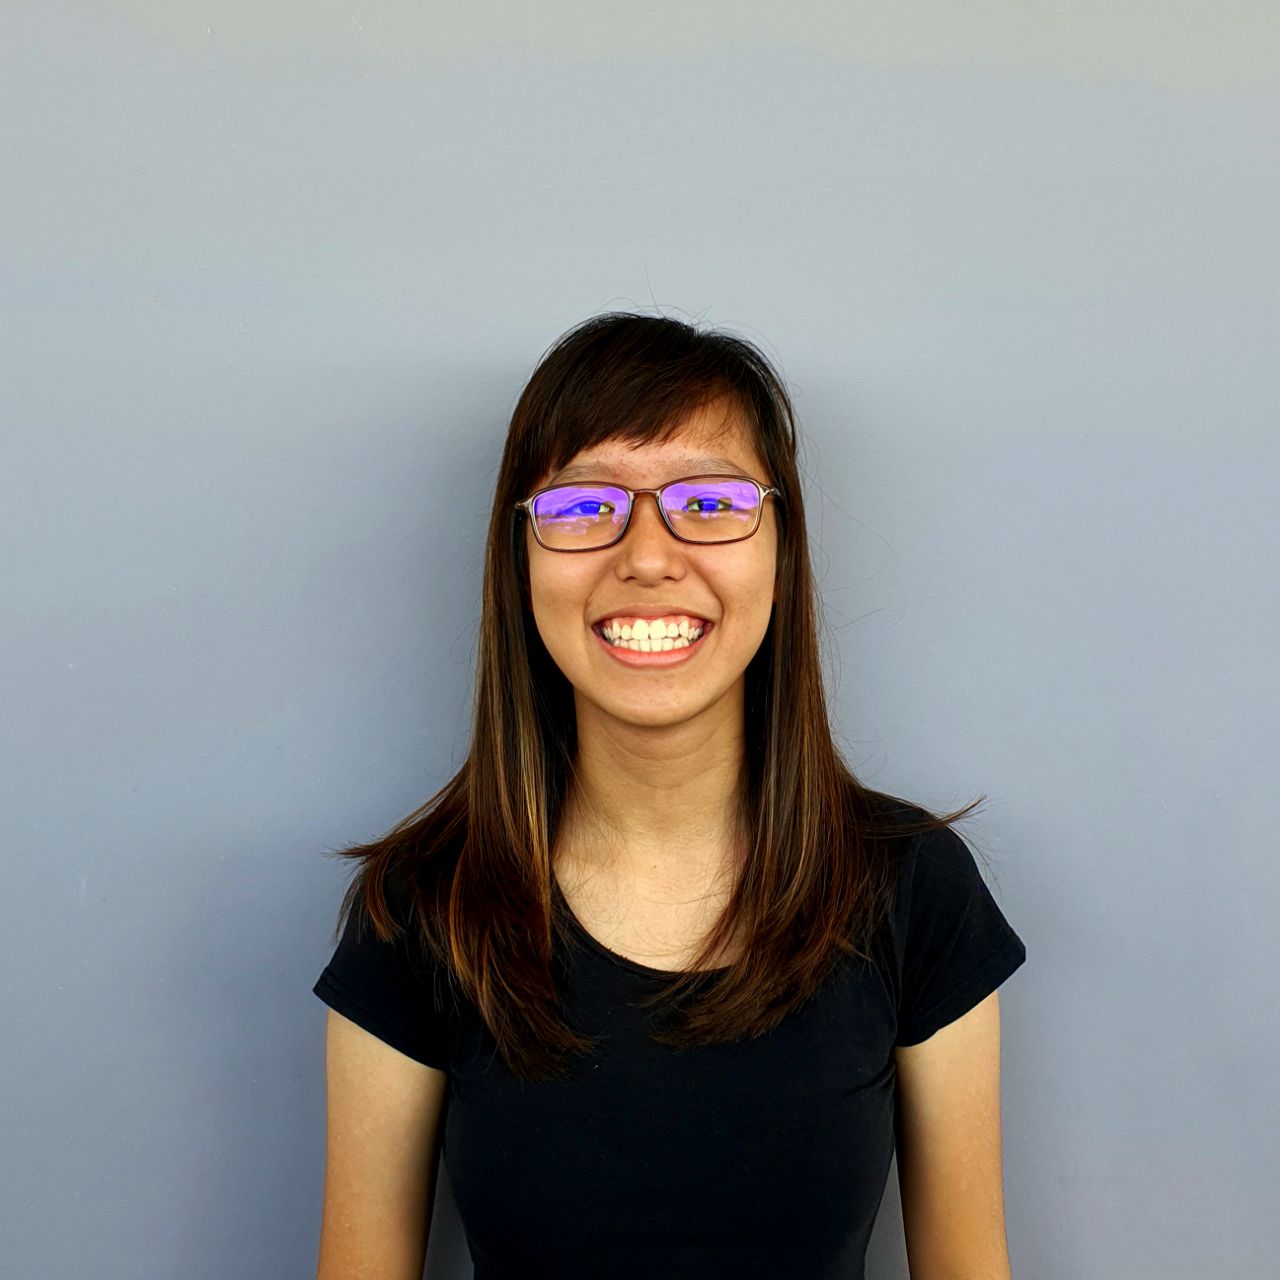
272	280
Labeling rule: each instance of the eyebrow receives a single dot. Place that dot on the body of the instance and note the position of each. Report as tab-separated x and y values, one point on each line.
687	467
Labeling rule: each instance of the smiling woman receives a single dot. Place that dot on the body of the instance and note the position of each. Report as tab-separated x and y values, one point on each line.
660	978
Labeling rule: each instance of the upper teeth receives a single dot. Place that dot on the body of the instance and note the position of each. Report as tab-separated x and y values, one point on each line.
674	627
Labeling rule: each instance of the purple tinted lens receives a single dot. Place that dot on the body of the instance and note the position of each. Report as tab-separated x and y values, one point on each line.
580	515
712	510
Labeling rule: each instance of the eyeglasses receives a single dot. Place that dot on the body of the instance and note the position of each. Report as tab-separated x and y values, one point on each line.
587	517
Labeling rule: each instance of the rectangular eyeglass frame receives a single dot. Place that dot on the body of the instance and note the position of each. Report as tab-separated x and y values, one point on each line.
765	491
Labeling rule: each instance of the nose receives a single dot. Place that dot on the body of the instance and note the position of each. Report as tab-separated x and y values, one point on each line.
646	520
649	551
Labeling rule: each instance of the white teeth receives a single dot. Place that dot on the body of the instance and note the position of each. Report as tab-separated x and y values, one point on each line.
645	637
653	646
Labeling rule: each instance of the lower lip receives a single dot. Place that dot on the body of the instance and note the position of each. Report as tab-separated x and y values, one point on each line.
663	658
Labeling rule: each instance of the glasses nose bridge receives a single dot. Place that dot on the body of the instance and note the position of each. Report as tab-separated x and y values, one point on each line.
656	494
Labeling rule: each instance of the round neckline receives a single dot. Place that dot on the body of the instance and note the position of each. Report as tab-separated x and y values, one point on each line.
622	961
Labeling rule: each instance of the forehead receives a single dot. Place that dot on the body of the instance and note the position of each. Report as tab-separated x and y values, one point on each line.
705	442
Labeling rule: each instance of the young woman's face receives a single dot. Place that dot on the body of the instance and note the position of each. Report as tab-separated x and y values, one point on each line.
731	584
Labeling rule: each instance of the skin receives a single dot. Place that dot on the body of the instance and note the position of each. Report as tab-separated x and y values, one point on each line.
653	744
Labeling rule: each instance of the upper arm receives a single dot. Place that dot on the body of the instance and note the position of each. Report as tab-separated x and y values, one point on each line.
949	1157
384	1113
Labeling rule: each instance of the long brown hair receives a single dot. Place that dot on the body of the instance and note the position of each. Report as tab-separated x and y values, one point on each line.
476	858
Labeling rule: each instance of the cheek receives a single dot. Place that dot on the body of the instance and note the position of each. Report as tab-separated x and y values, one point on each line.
556	599
756	583
542	577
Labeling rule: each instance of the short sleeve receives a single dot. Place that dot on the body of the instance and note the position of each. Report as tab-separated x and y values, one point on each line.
956	945
391	989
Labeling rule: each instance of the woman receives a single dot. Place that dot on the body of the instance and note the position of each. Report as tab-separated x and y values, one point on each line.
661	978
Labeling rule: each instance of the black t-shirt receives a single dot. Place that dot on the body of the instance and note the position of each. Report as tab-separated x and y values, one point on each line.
763	1158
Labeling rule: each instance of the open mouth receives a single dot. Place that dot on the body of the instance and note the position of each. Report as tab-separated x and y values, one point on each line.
665	644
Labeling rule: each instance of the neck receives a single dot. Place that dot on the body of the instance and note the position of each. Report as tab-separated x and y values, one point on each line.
656	806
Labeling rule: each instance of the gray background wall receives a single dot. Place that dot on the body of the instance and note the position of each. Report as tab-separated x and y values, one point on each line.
271	284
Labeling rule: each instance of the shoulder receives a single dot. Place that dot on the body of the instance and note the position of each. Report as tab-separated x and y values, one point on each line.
953	943
941	861
390	941
930	861
388	981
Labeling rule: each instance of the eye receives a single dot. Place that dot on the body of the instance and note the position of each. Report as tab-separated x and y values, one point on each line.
709	502
589	507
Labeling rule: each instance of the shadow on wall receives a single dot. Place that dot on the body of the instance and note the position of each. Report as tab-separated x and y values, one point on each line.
448	1257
